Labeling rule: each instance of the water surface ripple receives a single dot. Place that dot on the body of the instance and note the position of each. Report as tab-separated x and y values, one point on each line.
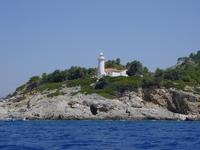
99	135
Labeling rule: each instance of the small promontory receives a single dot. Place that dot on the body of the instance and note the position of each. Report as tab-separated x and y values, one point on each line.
76	93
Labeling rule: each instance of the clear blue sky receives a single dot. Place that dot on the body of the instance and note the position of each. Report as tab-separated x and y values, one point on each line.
39	36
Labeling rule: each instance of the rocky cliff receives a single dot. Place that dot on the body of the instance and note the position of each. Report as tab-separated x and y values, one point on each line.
158	104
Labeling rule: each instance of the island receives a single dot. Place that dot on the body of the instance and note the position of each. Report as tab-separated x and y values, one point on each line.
112	91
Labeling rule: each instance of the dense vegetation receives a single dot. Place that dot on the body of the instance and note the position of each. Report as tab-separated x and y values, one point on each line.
56	79
185	76
115	64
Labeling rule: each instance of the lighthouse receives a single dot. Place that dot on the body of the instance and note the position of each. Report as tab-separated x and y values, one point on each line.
101	66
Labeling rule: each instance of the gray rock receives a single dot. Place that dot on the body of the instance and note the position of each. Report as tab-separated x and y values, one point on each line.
184	102
175	101
147	104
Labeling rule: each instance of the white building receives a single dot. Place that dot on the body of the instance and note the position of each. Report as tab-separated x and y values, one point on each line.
112	72
101	66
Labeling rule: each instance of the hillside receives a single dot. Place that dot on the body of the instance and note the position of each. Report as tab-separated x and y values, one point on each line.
185	75
76	93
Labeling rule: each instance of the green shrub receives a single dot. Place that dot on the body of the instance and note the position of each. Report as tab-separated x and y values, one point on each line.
101	84
117	86
49	86
80	82
22	87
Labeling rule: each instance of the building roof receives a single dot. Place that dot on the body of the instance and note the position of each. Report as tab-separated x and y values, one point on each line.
107	70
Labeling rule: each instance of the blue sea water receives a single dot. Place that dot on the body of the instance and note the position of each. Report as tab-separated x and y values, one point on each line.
99	135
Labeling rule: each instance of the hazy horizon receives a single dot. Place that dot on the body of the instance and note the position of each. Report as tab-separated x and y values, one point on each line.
42	36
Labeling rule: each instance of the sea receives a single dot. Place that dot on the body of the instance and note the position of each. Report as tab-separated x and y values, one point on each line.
99	135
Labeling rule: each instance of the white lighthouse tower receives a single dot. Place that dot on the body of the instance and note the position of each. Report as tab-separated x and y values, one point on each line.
101	66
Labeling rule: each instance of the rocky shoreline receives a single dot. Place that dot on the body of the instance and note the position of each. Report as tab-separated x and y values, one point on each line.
143	104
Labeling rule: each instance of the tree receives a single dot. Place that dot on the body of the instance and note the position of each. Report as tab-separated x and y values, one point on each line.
158	73
34	79
182	59
59	76
110	64
76	73
118	61
146	71
91	72
33	82
134	68
114	64
56	76
192	55
44	77
172	74
195	57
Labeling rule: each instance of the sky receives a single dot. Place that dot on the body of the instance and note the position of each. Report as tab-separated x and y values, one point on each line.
41	36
